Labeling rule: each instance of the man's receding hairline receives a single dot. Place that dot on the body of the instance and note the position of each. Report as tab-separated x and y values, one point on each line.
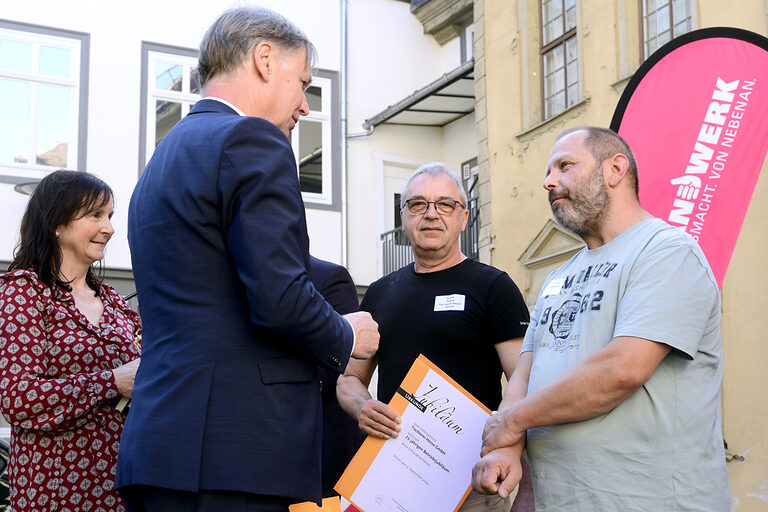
441	175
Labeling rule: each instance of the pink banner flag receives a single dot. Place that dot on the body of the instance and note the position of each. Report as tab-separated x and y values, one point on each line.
695	116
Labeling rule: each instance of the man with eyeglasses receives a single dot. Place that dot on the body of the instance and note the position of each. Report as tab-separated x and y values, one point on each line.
466	317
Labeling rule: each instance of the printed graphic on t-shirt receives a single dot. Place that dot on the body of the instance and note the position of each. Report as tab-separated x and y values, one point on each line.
573	296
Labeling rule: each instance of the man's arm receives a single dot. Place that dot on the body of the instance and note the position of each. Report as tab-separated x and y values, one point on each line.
375	418
597	385
500	470
509	353
265	229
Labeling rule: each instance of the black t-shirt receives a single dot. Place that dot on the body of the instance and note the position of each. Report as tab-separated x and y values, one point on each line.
421	313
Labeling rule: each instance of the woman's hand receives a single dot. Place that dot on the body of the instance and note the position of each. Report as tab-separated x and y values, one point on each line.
124	377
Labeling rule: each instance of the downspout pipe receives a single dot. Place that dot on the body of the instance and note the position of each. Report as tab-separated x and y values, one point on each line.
343	96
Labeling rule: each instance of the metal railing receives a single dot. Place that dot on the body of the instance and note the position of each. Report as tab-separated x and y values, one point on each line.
396	248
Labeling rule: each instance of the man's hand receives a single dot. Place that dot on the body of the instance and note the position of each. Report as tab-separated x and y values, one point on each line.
366	334
378	420
124	377
500	432
498	472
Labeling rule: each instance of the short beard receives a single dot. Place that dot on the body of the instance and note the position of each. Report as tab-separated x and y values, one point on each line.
585	207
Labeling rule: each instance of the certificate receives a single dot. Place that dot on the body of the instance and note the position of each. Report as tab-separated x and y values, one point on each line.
429	465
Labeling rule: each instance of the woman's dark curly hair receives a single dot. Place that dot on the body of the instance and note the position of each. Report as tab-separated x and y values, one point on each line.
59	198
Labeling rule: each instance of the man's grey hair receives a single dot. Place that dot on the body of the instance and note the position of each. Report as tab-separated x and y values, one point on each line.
434	169
230	41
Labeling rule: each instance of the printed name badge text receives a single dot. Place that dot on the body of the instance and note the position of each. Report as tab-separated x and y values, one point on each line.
453	302
554	287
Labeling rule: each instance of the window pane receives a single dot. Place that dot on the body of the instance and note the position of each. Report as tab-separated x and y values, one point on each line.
662	19
570	14
555	104
552	9
53	125
571	55
552	14
572	73
555	66
679	10
573	94
682	28
553	59
55	61
15	56
194	76
559	101
315	98
168	76
14	123
311	156
167	114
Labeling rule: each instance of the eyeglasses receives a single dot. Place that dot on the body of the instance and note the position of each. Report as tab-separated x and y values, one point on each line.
443	206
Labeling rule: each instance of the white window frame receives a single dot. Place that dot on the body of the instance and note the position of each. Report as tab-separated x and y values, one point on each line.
672	32
31	170
568	35
184	97
324	116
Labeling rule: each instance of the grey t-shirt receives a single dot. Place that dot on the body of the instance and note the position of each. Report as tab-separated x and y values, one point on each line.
662	448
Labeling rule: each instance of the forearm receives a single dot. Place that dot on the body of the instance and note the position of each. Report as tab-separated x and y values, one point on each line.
352	395
48	404
597	385
517	387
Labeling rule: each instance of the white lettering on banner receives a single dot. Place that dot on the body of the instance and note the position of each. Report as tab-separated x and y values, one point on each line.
720	128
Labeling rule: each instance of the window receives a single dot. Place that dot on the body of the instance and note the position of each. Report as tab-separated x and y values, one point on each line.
43	86
171	85
315	141
559	56
662	21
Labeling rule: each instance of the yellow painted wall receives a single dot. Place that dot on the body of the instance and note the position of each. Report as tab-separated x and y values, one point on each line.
518	148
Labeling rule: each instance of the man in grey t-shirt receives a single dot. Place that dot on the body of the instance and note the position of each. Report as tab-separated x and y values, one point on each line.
620	371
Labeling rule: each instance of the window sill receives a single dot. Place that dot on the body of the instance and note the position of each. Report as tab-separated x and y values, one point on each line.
530	133
620	84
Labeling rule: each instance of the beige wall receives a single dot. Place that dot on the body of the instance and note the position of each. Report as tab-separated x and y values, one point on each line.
518	148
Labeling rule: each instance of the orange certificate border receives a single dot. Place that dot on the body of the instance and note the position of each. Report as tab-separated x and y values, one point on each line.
332	504
361	462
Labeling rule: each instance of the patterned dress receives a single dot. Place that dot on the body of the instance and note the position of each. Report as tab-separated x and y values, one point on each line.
59	395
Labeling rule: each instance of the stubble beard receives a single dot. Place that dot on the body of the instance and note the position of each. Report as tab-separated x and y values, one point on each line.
585	206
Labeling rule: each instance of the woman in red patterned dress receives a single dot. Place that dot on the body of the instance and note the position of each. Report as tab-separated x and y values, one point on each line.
68	351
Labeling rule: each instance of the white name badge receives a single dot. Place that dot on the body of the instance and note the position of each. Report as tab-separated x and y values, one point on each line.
553	287
453	302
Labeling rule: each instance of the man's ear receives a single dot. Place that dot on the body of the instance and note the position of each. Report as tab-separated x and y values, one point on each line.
619	165
264	59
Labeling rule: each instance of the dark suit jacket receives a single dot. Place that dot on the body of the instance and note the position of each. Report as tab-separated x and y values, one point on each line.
341	435
228	394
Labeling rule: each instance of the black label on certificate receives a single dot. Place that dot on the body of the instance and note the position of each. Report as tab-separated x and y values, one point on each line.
420	406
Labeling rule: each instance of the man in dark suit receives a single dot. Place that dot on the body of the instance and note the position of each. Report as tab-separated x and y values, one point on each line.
226	412
341	437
